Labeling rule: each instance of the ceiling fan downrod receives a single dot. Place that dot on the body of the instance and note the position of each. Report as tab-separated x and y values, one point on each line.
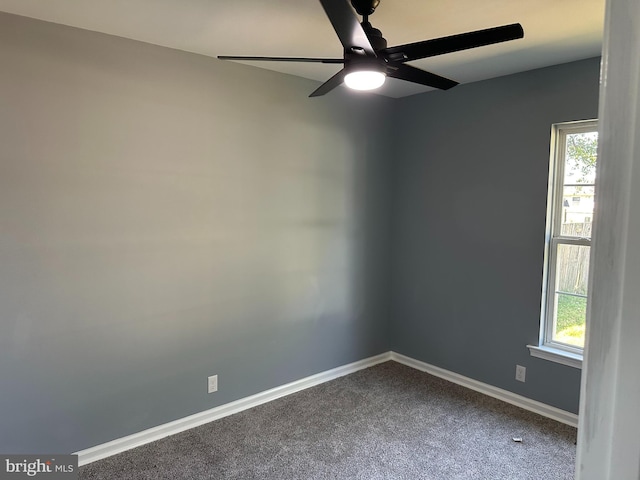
365	8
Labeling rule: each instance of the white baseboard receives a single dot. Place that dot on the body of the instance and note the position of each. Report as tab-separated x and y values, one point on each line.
161	431
495	392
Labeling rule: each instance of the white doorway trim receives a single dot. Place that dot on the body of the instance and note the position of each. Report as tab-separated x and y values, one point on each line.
609	425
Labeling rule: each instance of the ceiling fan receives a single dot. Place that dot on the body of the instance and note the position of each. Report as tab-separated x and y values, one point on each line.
368	61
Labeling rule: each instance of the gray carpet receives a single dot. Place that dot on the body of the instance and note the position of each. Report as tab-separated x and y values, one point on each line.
386	422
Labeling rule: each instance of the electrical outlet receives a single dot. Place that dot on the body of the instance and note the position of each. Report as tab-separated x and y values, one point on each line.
212	383
521	373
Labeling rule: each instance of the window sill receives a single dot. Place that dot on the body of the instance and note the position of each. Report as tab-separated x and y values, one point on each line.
556	355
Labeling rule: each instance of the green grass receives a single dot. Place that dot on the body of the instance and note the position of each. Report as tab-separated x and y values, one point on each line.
571	316
573	336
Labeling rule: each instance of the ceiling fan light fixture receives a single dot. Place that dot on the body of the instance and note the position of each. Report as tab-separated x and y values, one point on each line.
365	79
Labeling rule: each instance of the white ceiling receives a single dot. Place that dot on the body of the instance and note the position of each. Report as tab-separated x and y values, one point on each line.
556	31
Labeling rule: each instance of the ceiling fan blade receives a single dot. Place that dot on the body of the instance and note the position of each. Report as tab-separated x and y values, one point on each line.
281	59
415	75
453	43
330	84
348	28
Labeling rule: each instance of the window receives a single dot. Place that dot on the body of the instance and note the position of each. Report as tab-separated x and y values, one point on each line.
572	178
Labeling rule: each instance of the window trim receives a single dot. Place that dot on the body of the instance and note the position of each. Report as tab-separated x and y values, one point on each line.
555	355
547	348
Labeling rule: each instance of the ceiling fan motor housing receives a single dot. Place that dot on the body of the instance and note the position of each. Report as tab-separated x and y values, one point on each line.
378	42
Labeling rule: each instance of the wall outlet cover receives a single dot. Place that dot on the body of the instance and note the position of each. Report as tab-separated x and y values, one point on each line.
212	384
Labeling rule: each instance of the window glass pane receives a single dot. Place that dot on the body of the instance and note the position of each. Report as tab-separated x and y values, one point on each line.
580	156
577	211
572	269
571	312
571	218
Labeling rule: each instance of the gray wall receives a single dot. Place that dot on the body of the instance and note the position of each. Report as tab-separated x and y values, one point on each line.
165	217
468	220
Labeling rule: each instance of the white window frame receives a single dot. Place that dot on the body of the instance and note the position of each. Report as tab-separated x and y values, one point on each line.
547	348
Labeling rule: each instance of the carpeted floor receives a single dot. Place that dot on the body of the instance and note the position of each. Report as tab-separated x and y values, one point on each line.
386	422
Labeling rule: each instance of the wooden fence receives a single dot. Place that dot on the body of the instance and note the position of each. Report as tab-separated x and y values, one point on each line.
572	274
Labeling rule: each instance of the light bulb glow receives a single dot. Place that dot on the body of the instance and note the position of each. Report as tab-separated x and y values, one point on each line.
365	80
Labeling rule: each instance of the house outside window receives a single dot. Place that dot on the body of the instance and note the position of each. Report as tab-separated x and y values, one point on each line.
570	207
